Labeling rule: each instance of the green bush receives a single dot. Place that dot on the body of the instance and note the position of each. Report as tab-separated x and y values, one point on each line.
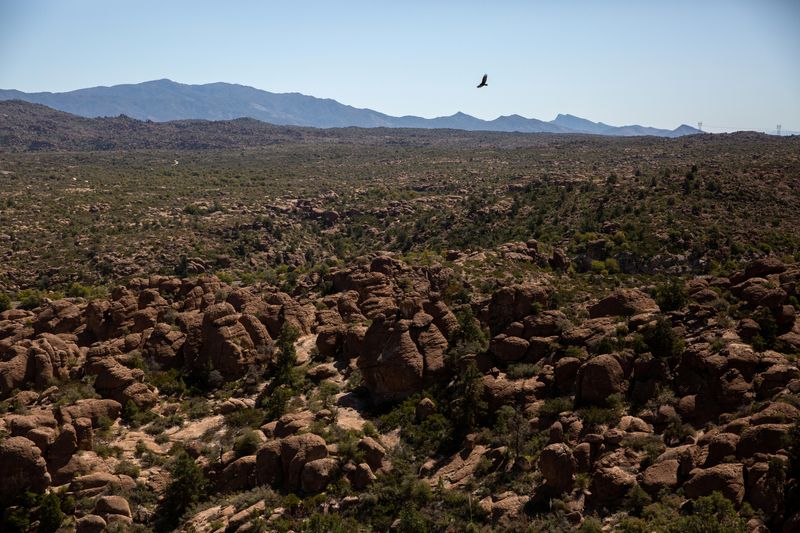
127	468
247	444
30	299
662	340
5	302
671	296
50	513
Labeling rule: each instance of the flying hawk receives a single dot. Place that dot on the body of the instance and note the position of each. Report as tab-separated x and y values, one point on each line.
483	81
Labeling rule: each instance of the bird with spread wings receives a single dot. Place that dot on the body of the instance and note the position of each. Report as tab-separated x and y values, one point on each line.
483	81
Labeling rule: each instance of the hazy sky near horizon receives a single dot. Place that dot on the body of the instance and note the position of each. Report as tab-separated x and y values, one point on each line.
733	64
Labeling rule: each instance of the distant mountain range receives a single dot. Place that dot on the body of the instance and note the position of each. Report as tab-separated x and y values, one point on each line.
166	100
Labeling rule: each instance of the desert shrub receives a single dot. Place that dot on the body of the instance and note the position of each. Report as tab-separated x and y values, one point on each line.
127	468
522	370
662	340
169	382
5	302
553	406
768	330
636	500
671	296
329	523
30	298
78	290
248	417
247	444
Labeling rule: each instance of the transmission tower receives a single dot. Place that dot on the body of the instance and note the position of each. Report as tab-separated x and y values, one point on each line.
700	125
778	128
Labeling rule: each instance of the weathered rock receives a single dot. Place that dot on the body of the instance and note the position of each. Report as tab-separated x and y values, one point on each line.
98	482
720	446
91	523
545	324
776	413
399	356
513	303
164	345
508	349
566	370
292	423
765	488
425	408
226	343
22	468
238	475
624	302
62	449
298	450
112	505
16	370
611	484
558	466
726	478
361	476
60	316
559	260
93	409
598	379
317	474
374	453
661	475
269	469
765	438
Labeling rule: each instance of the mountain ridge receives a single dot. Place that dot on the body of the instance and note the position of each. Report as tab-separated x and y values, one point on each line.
164	100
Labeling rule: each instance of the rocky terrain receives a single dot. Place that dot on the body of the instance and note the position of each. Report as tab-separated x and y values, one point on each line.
564	333
195	404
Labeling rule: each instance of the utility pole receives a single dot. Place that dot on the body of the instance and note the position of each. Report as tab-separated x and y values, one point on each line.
778	128
700	125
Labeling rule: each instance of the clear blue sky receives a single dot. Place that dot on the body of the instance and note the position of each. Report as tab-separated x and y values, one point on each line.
734	64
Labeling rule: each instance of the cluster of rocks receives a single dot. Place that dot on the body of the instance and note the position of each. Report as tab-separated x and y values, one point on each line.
724	425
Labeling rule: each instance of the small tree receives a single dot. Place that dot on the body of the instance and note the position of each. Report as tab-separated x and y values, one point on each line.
50	514
188	486
662	340
671	296
467	405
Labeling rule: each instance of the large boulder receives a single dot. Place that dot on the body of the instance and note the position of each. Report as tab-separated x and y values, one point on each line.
15	370
94	409
296	451
765	488
661	475
22	468
558	467
60	316
399	356
624	302
508	348
514	302
116	381
226	344
91	523
598	379
112	505
317	474
238	475
726	478
611	484
765	438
